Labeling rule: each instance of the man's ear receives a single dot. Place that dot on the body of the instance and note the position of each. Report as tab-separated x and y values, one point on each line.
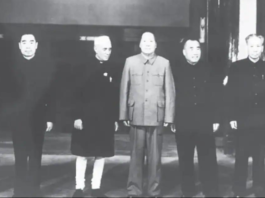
140	45
37	44
95	49
19	45
184	52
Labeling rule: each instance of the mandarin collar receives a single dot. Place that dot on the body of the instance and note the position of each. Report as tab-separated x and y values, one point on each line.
151	60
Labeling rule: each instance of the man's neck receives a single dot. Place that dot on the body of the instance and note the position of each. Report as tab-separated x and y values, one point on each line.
192	63
148	56
253	60
28	57
100	61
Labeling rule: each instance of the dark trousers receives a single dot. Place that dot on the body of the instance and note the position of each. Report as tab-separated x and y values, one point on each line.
28	152
208	170
149	139
248	144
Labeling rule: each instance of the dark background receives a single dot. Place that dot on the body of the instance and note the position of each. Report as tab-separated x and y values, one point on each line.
59	24
158	13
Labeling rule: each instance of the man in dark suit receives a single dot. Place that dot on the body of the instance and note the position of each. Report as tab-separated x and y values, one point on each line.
32	109
196	119
95	113
245	97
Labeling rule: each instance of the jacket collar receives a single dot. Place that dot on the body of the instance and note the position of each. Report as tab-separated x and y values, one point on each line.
254	62
151	60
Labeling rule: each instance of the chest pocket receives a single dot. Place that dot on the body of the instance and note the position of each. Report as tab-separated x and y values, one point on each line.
158	77
136	77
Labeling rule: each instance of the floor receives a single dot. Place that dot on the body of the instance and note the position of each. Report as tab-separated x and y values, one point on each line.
59	167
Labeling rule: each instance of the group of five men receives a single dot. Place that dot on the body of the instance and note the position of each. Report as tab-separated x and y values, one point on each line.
149	97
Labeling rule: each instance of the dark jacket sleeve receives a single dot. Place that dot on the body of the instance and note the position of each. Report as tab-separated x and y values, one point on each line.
51	110
216	96
116	92
83	91
78	102
8	86
78	96
230	93
52	96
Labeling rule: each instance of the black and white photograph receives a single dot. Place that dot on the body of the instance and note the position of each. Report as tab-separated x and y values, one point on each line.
132	98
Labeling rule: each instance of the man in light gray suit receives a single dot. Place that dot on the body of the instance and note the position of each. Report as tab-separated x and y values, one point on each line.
147	102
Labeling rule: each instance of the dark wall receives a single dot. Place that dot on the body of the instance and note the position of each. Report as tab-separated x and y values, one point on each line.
165	13
261	17
61	43
59	24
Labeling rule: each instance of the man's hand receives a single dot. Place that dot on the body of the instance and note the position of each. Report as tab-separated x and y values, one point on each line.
116	126
49	126
126	123
215	127
172	126
78	124
165	124
233	124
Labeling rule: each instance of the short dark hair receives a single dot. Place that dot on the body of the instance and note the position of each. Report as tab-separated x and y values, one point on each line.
189	38
150	32
255	35
36	31
28	34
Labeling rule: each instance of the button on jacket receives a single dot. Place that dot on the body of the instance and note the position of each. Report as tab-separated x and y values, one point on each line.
147	93
197	96
245	94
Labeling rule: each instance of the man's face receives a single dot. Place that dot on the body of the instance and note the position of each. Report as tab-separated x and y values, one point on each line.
28	45
148	43
103	51
255	48
192	51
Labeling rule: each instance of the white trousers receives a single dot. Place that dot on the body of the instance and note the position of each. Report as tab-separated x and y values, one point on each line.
81	165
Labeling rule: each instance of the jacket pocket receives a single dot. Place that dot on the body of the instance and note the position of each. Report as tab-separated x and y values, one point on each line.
131	109
136	77
160	111
158	78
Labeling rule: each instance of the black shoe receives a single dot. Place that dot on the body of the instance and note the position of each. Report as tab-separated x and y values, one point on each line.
21	194
21	190
259	192
78	193
35	192
211	194
187	195
97	193
237	196
154	196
